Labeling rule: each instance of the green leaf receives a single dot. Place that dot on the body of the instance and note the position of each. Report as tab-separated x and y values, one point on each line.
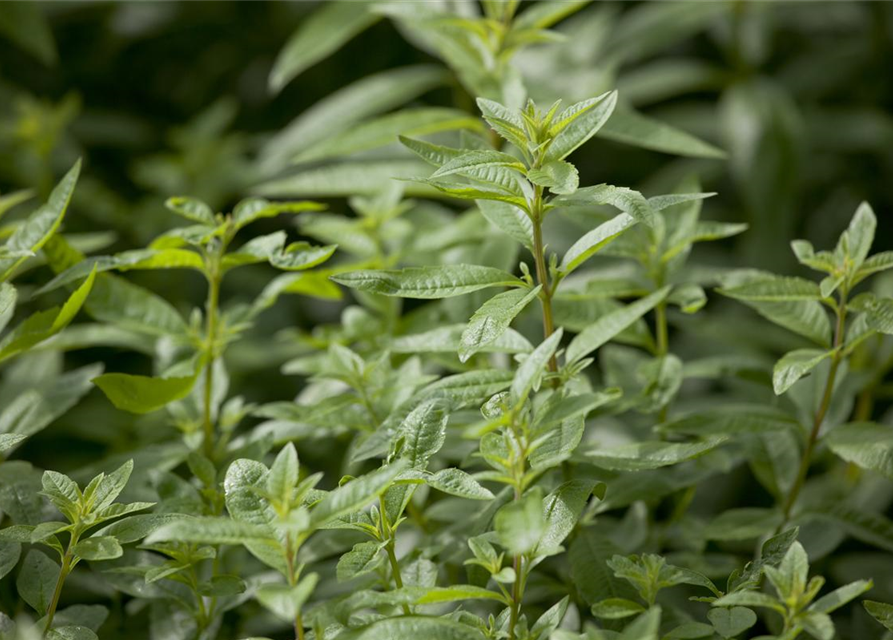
856	241
211	530
71	632
363	558
590	243
428	282
631	127
28	26
423	433
286	601
771	288
434	154
348	179
320	35
521	524
805	317
865	444
651	455
192	209
45	324
742	524
506	122
37	580
510	219
749	599
731	622
9	440
794	365
562	509
34	232
842	595
627	200
368	96
457	593
98	548
871	528
611	324
530	372
9	557
384	130
616	609
880	611
111	486
558	176
578	123
414	628
458	483
143	394
283	475
645	627
476	164
492	319
251	209
448	339
8	298
355	494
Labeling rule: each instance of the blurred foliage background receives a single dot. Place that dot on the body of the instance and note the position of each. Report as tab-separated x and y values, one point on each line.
173	98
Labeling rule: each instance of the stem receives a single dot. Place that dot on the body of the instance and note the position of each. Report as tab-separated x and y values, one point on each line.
290	566
820	414
518	560
542	274
392	554
211	347
663	343
57	592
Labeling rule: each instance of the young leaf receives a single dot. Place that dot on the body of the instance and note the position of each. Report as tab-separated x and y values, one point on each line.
794	365
363	558
562	509
355	494
492	319
578	123
611	324
529	373
590	243
192	209
428	282
521	524
287	601
143	394
558	176
627	200
458	483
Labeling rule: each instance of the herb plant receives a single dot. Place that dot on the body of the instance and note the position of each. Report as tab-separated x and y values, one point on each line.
531	405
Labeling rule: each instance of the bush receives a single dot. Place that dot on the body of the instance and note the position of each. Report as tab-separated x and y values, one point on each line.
529	407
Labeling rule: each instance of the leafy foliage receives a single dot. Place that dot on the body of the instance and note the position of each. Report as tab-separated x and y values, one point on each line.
532	404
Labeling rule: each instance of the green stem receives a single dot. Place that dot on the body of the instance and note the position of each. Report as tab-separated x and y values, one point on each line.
390	549
542	274
292	581
518	560
211	355
57	592
824	405
663	343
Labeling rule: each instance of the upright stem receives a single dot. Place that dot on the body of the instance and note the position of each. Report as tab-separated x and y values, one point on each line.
518	560
211	354
391	551
824	405
660	318
292	580
542	273
57	592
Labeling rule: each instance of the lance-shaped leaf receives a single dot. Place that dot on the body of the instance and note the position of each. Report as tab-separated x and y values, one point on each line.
368	96
211	530
855	242
611	324
45	324
363	558
349	179
631	127
143	394
423	433
578	123
448	339
562	509
286	601
323	33
33	233
492	319
434	154
506	122
251	209
383	131
355	494
191	209
428	282
532	369
865	444
413	628
474	163
651	455
794	365
880	611
591	242
772	288
627	200
458	483
8	298
512	220
37	580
